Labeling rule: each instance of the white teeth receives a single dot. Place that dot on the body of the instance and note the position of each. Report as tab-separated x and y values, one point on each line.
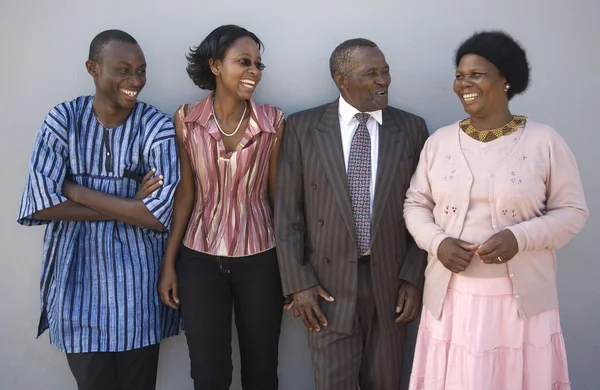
249	82
470	96
129	93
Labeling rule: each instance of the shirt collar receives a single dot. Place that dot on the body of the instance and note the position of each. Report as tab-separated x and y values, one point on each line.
347	112
201	113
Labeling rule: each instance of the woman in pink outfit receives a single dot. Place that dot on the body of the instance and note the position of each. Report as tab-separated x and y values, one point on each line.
492	198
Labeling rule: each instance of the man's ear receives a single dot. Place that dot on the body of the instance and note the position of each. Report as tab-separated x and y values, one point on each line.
340	81
92	67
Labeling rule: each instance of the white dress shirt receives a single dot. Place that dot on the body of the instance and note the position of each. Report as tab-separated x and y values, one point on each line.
348	126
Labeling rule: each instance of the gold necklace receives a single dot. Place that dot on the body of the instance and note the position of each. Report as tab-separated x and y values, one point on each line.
96	116
101	124
517	122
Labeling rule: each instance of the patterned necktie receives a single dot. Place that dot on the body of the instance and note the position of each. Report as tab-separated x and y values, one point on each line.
359	183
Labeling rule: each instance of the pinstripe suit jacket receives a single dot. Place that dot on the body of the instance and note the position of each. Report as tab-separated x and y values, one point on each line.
314	224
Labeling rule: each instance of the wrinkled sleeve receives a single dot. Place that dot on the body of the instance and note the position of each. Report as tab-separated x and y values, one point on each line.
163	157
415	260
419	205
277	118
566	209
47	170
290	226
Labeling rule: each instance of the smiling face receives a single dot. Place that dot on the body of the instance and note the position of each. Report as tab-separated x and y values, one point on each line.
480	86
240	71
365	85
119	74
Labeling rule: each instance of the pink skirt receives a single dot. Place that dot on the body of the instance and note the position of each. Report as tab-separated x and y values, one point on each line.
481	343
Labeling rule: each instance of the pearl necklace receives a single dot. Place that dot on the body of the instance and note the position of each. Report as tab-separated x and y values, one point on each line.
239	123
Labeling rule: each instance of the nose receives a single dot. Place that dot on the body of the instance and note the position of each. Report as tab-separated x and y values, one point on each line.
465	81
137	80
253	70
383	80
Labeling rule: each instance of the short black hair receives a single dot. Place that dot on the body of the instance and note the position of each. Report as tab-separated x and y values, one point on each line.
104	38
342	55
504	52
214	46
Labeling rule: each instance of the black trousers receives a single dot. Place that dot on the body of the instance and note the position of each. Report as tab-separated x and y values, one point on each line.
130	370
209	288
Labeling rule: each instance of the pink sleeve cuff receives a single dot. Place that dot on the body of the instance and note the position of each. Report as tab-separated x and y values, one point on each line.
518	233
435	243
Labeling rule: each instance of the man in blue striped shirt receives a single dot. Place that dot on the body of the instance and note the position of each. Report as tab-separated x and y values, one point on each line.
102	177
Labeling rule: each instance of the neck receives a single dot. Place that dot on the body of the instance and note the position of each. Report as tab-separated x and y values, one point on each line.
350	102
492	121
107	115
227	108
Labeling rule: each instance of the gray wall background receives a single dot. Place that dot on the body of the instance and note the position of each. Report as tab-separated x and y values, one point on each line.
44	46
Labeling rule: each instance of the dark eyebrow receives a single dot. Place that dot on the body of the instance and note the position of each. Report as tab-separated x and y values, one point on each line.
248	55
477	70
375	68
128	64
141	67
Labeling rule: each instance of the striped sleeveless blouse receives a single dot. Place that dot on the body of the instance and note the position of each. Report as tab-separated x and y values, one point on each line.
232	215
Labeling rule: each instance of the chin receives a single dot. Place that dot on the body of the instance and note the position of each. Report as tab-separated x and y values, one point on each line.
127	103
381	103
471	110
245	95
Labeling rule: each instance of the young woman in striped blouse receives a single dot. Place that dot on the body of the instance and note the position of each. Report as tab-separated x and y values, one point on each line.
221	251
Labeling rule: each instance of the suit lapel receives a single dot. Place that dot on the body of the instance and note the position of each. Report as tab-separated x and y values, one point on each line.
390	154
328	141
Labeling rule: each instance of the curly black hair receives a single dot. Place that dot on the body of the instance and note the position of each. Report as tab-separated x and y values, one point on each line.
214	46
504	52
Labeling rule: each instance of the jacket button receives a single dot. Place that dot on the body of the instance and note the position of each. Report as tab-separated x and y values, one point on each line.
313	186
326	260
321	222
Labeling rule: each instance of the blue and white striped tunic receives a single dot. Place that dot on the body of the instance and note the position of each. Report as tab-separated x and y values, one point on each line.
99	278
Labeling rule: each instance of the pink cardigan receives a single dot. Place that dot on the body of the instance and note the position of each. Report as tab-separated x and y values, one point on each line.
536	192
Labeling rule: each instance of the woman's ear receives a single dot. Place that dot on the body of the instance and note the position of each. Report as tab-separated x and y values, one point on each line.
215	66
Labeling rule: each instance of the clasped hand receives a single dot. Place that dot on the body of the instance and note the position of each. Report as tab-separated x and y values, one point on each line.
456	254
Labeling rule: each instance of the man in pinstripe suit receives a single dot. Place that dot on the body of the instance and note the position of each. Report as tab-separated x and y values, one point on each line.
343	164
